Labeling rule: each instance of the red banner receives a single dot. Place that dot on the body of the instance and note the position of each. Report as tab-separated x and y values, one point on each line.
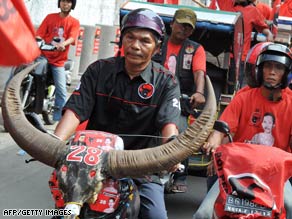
18	44
79	43
96	40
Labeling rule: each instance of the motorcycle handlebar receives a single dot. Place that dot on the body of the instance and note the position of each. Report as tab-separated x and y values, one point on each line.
185	97
45	47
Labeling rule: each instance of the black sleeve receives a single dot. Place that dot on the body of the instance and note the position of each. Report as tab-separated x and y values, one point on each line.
169	111
82	100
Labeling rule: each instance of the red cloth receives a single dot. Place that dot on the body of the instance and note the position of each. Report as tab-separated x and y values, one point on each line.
62	27
259	170
18	44
245	117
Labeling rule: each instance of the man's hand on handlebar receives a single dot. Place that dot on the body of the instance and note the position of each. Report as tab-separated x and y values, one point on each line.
60	46
214	140
197	99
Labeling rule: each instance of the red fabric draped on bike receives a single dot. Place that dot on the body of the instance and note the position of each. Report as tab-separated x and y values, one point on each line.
251	174
18	44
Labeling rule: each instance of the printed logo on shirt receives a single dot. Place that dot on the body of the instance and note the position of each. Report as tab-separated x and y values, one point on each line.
190	49
255	118
146	91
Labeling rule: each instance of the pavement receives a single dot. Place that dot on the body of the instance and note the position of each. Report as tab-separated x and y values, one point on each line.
5	138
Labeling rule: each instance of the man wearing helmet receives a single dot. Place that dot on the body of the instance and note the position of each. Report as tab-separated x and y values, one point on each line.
187	60
61	30
267	67
131	96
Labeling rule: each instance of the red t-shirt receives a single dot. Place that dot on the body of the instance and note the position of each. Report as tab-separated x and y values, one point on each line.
252	18
266	10
286	9
251	116
198	61
63	28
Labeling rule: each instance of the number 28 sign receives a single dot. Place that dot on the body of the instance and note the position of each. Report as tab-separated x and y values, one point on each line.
87	155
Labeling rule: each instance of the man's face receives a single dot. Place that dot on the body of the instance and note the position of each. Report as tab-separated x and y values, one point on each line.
65	5
181	31
268	124
139	47
273	72
82	138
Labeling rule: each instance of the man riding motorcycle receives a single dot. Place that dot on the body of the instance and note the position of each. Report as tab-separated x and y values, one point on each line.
267	67
132	95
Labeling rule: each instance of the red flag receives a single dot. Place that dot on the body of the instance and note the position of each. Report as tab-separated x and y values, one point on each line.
18	44
251	180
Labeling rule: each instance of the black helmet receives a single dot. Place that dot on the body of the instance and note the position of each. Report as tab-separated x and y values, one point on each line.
261	53
146	19
73	4
250	63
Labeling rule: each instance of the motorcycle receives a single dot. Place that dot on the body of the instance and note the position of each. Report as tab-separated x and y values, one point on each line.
37	91
250	189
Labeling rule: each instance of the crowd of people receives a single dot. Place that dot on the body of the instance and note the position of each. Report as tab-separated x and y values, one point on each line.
139	93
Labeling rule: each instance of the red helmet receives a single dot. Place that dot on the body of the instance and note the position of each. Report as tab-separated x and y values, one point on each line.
73	4
144	19
262	52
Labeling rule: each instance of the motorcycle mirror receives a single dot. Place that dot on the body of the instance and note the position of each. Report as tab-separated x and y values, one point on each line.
221	126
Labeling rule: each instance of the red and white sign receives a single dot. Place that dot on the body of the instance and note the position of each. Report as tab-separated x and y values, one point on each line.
96	40
79	42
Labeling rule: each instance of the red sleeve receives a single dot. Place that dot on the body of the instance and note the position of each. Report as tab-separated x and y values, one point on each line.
285	9
260	23
231	114
265	10
199	60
